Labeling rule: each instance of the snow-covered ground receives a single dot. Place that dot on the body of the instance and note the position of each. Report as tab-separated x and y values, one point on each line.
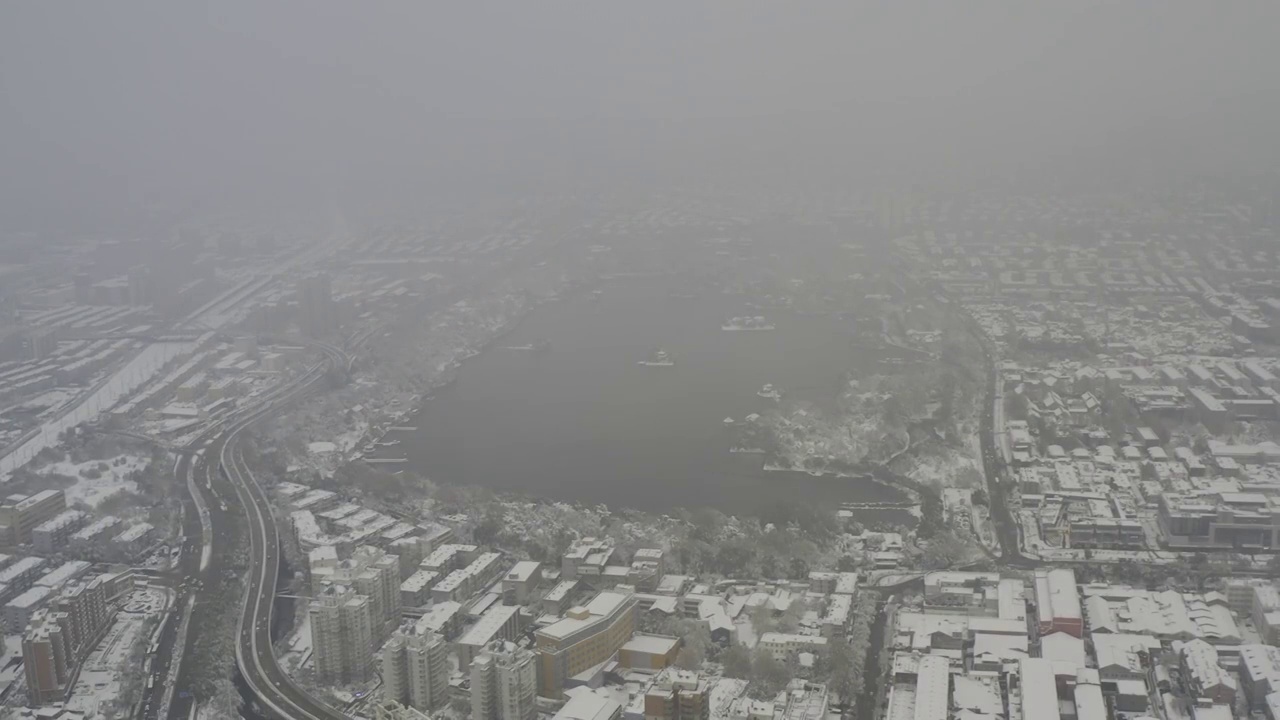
11	672
131	376
100	676
746	631
93	491
723	693
50	400
944	468
297	647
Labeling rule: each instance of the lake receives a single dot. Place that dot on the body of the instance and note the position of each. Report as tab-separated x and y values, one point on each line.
582	421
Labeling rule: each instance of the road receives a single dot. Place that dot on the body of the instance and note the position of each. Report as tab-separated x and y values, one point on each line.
255	655
993	466
172	679
221	487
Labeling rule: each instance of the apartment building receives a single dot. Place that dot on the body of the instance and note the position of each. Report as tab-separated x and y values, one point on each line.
47	662
587	557
1223	520
500	622
415	669
556	601
784	645
521	580
52	535
370	572
503	683
91	540
58	635
20	575
342	635
18	611
415	590
87	610
19	515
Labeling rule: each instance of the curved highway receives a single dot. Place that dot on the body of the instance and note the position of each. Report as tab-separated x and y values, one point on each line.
255	655
227	476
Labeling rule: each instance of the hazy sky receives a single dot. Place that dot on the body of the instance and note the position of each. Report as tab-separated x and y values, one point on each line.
123	104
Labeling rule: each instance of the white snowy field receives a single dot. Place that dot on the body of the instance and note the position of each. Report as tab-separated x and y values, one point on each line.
93	490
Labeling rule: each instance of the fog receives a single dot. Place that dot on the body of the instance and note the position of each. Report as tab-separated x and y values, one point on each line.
109	108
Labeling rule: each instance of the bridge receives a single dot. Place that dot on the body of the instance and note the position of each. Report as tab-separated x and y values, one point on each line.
146	336
146	438
897	505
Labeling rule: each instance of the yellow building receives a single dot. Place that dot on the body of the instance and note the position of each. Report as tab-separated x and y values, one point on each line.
587	637
649	652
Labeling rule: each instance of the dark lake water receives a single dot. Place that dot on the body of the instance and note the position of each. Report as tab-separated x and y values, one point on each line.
582	421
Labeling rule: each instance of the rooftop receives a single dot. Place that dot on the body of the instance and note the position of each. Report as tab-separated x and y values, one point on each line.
586	704
488	625
599	609
651	644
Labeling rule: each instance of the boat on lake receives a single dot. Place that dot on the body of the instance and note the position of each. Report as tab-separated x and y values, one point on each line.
747	323
659	358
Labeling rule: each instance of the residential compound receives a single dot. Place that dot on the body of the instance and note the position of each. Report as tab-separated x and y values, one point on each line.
1094	651
58	635
1137	384
1119	451
1143	489
519	640
356	603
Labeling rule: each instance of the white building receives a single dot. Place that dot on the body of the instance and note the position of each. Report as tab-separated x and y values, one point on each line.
342	635
500	622
933	688
521	580
133	540
784	645
1038	690
18	611
52	535
370	572
585	704
504	681
415	670
415	590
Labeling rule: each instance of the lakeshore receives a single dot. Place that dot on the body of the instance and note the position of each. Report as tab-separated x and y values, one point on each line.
580	421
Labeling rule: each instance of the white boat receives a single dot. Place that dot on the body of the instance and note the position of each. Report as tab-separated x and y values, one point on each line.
770	392
659	358
757	322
